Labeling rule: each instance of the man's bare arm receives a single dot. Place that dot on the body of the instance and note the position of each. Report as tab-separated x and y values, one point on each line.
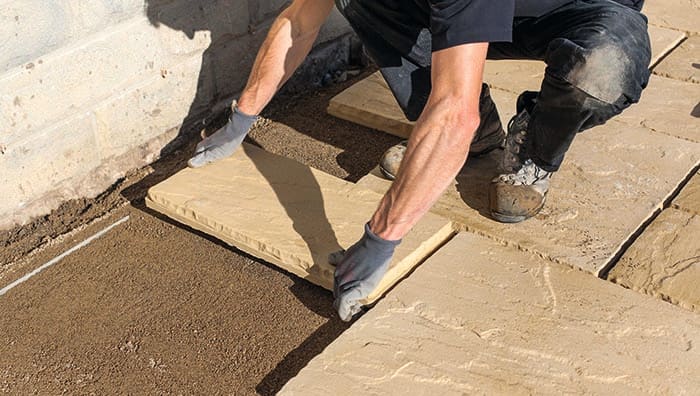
440	141
287	44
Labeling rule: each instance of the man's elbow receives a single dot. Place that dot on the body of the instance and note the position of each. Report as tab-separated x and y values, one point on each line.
458	117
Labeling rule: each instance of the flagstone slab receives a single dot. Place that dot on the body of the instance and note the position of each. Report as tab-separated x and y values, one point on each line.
665	260
663	41
689	197
674	14
286	213
370	103
614	178
683	63
482	318
667	106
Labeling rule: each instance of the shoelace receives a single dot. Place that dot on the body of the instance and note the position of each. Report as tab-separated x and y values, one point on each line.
528	174
517	133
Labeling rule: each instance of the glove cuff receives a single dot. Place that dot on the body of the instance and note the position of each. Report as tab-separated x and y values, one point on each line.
240	118
369	235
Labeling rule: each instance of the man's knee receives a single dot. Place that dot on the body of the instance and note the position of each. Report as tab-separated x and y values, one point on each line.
611	64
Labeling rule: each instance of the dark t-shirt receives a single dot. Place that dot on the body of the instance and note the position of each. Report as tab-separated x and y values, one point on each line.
455	22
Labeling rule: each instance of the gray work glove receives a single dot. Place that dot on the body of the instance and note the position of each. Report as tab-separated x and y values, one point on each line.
224	141
358	271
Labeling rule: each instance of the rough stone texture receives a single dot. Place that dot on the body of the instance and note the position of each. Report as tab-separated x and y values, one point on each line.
689	197
663	41
481	318
667	106
613	179
135	68
683	63
675	14
371	104
665	260
286	213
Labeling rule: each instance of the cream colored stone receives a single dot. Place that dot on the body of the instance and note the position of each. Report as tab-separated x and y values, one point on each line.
514	76
667	106
482	318
663	41
683	63
613	179
371	104
286	213
689	197
675	14
665	260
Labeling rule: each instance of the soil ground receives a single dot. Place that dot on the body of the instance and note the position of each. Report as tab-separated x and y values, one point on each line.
155	307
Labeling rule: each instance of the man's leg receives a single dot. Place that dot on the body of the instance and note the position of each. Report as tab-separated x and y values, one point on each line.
401	46
597	54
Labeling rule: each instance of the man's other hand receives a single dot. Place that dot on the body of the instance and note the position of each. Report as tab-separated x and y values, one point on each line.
224	141
358	271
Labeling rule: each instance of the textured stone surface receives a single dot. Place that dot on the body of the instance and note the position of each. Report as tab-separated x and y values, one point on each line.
481	318
663	40
665	260
683	63
370	103
675	14
613	179
286	213
689	197
667	106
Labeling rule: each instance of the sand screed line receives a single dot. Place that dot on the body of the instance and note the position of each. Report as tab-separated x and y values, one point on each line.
61	256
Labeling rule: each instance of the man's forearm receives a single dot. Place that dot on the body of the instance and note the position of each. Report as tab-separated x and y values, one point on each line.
439	143
287	44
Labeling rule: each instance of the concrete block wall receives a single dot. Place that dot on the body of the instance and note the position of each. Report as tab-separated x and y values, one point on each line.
92	89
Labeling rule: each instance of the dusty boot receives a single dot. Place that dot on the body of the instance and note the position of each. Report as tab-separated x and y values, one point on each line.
489	136
520	191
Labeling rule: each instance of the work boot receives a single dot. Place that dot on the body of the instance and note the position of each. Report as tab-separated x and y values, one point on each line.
488	137
520	191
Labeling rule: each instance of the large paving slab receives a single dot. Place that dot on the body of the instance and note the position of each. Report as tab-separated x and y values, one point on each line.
370	103
667	106
286	213
689	197
665	260
614	178
482	318
683	63
674	14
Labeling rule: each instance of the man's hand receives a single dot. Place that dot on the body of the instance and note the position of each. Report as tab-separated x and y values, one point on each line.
359	270
224	141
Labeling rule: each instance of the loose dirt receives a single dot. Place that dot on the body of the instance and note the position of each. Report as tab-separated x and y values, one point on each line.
154	307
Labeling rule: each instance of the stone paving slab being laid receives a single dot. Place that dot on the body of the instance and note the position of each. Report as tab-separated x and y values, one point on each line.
683	63
286	213
481	318
665	260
